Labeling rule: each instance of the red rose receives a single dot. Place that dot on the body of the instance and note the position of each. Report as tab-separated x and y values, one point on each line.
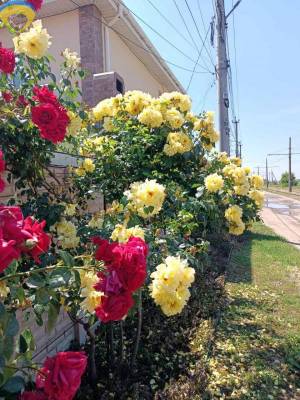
39	241
104	251
7	97
109	284
27	235
8	253
114	307
49	116
45	116
22	102
44	95
11	224
33	396
60	376
7	60
131	263
37	4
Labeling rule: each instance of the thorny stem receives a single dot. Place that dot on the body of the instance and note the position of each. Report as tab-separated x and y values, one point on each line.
35	271
139	329
122	340
92	353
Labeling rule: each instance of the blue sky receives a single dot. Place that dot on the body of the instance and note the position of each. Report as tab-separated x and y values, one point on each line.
268	63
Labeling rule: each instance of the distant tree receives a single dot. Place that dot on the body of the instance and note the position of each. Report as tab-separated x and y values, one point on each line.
284	180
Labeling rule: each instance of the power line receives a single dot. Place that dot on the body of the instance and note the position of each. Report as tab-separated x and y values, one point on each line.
197	28
151	52
211	85
161	36
185	24
199	55
235	63
170	23
188	30
203	23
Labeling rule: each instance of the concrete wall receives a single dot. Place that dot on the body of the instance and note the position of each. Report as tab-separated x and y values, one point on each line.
133	71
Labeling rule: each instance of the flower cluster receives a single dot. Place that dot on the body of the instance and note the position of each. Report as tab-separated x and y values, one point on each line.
7	60
87	166
146	198
170	285
34	43
49	115
207	130
59	378
66	234
126	272
214	183
170	111
2	169
20	236
72	59
122	234
177	143
234	216
92	297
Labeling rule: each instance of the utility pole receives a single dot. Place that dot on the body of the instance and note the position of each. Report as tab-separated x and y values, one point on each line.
222	72
289	154
236	123
267	173
290	164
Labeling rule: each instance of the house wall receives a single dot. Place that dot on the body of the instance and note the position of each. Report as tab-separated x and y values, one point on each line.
133	71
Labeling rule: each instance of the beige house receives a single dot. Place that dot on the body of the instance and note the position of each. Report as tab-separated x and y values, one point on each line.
111	44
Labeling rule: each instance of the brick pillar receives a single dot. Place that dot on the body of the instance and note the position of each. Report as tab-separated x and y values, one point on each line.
91	49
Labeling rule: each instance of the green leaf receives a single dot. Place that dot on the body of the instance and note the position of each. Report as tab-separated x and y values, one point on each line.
67	258
53	313
14	384
59	277
12	326
2	363
35	281
23	347
27	335
42	296
8	347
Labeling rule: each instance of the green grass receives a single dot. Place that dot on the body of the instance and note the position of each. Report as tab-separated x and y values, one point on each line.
256	351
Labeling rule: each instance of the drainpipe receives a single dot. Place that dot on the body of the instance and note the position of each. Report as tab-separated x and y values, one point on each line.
115	19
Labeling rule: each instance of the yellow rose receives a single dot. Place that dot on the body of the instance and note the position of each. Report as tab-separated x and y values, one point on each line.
214	183
151	117
34	43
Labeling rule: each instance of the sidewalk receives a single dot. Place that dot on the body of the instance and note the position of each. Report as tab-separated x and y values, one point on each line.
282	214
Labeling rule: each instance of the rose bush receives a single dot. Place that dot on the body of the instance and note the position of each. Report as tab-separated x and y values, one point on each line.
167	195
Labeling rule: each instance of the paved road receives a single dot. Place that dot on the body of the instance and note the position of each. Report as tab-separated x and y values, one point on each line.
282	214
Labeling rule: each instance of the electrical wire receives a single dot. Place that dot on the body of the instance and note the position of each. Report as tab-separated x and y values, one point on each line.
151	52
199	56
170	23
186	26
200	36
203	23
235	62
162	37
210	86
148	50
